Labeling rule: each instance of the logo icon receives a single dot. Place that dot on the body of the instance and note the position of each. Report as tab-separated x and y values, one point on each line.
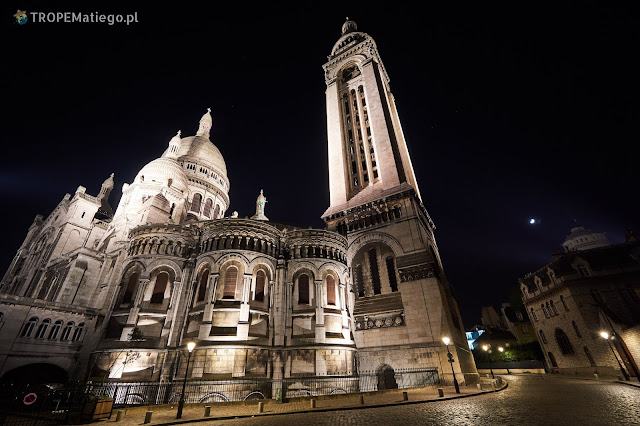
21	17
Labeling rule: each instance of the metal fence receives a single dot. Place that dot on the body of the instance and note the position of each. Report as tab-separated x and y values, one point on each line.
127	394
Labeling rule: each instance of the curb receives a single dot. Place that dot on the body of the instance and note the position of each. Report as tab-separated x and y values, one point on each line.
324	410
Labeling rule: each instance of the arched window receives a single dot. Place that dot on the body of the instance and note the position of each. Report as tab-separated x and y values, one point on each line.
130	289
207	207
564	303
202	290
552	359
303	289
375	273
230	280
29	326
159	288
66	332
575	327
563	342
55	329
546	312
533	315
216	211
587	352
196	202
42	330
391	271
261	279
543	337
549	310
331	290
595	295
553	308
77	333
359	281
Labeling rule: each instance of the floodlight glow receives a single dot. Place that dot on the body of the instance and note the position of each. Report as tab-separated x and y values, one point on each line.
604	334
446	340
191	345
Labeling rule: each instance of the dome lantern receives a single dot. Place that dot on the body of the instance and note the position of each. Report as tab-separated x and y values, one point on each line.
205	124
349	27
174	146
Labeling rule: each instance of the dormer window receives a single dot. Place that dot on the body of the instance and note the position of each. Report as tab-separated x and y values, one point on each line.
584	271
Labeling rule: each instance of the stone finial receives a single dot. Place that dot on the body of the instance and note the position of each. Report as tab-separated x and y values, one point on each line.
174	146
349	27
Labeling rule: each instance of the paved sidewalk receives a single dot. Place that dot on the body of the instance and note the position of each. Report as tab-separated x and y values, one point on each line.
166	414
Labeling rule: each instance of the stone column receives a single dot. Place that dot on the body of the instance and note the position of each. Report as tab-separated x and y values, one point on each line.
244	318
320	330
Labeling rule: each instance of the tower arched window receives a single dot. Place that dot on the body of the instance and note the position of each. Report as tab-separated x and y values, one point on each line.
202	289
391	271
230	281
196	202
303	289
575	327
544	309
553	307
216	211
207	207
543	337
533	314
130	289
331	290
587	352
563	342
564	303
55	329
42	329
375	272
359	281
29	326
77	333
66	332
261	279
552	359
157	297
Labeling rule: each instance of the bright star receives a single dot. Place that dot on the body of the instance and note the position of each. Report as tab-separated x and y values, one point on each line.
532	221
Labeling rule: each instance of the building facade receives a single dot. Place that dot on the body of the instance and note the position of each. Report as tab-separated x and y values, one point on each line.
122	292
580	294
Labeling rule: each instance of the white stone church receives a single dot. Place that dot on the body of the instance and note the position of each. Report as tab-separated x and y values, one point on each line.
94	293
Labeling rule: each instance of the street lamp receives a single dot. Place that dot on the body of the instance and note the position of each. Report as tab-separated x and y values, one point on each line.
486	349
446	341
501	349
605	336
190	347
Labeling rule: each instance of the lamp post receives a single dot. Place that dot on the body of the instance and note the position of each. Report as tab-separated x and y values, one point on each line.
446	341
190	347
501	349
486	349
605	336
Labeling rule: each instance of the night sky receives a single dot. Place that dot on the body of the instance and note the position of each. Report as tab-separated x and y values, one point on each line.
509	114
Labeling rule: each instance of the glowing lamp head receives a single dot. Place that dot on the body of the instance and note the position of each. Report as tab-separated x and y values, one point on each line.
604	334
485	347
446	340
501	349
191	345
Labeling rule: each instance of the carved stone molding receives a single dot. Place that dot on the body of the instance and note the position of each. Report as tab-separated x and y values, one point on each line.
368	322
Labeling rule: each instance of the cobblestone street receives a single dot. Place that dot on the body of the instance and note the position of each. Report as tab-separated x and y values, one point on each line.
529	400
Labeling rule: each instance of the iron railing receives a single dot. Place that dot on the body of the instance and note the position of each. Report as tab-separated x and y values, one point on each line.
244	389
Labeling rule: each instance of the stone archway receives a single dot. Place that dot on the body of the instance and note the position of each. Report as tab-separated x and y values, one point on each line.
386	378
36	374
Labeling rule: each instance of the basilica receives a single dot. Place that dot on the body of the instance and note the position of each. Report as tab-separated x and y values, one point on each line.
96	293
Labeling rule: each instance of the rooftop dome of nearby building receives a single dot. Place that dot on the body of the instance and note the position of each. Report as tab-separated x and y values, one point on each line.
582	238
164	171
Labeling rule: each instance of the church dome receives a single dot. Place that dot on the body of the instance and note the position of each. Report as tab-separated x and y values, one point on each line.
166	172
201	149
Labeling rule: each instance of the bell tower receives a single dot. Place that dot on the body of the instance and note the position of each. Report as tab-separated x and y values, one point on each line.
401	302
